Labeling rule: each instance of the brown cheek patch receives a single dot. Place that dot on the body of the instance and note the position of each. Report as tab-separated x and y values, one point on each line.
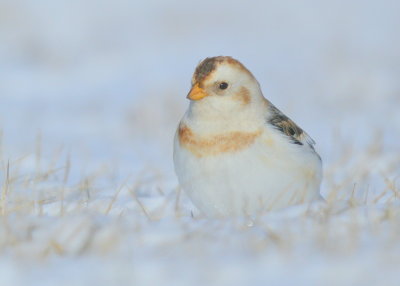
244	96
217	144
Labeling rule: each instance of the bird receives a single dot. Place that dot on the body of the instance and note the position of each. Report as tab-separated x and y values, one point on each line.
235	153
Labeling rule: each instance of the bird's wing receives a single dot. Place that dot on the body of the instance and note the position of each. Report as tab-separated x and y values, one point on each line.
285	125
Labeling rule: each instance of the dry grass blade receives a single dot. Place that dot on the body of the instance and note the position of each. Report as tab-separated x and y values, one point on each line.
132	191
116	195
4	192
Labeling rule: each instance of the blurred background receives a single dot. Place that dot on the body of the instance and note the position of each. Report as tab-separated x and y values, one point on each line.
91	93
105	81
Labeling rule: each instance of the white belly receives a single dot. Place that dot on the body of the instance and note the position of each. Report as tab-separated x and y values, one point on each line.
248	181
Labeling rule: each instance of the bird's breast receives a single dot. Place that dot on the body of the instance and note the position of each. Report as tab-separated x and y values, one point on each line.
211	145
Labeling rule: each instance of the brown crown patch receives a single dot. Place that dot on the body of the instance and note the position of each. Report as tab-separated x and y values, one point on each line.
216	144
204	69
208	65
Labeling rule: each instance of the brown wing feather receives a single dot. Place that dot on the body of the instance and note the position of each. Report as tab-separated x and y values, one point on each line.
284	124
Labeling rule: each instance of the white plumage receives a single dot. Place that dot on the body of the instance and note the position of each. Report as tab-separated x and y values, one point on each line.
237	154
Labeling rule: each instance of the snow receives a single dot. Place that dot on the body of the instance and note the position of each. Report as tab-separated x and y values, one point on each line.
90	96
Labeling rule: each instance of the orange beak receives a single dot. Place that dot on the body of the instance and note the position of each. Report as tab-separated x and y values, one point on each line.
196	93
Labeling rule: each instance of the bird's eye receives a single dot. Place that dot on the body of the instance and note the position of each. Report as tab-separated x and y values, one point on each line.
223	85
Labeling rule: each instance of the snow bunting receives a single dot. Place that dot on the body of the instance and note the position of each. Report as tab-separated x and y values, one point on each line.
235	153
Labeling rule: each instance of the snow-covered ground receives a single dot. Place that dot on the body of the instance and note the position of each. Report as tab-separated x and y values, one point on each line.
90	96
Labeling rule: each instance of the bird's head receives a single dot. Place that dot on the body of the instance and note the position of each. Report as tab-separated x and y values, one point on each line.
224	84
